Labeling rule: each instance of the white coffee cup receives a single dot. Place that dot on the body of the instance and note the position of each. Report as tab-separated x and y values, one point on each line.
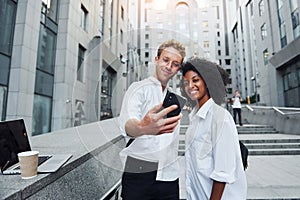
28	164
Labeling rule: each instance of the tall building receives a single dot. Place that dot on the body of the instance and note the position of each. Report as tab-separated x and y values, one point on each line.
265	37
64	63
199	25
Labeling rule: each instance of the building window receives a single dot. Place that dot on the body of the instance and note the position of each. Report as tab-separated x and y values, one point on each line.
182	19
261	7
205	44
44	81
106	93
79	113
122	12
80	63
205	34
146	54
42	106
7	23
50	9
121	36
84	16
147	36
227	62
282	29
46	50
283	40
263	31
266	56
3	98
295	17
147	45
205	24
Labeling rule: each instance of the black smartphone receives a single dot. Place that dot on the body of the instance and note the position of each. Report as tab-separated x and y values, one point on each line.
171	99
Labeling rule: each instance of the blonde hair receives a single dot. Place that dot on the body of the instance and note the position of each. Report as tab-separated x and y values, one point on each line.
172	43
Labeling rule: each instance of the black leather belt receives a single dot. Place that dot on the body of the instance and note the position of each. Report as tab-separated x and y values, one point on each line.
134	165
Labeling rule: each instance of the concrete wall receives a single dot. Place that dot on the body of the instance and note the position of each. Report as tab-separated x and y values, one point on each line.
286	122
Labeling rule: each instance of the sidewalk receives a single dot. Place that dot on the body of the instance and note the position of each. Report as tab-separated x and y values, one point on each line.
268	177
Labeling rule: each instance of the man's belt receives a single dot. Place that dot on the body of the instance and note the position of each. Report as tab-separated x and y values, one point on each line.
134	165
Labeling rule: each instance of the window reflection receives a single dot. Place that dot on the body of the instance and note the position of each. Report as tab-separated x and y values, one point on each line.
106	93
50	9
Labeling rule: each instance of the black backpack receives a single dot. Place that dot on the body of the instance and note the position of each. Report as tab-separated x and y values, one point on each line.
244	152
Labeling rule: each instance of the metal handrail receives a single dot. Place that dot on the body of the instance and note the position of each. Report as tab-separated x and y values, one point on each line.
112	192
277	109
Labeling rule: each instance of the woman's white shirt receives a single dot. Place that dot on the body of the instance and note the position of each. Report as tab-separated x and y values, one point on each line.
213	153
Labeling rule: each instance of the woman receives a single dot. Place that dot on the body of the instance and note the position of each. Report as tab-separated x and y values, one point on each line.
214	168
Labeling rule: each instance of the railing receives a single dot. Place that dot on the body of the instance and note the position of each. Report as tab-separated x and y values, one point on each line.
284	119
113	193
294	111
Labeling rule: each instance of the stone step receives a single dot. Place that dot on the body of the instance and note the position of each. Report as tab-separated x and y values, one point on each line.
260	152
271	131
273	140
273	145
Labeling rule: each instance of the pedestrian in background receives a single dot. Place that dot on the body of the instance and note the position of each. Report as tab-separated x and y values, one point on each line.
151	157
237	107
213	163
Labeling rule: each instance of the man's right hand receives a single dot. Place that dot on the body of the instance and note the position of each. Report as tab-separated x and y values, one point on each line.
154	122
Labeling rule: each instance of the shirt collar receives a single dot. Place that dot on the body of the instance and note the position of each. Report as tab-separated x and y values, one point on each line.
156	81
202	112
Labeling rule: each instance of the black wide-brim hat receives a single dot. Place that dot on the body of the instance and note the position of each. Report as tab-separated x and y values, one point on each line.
211	76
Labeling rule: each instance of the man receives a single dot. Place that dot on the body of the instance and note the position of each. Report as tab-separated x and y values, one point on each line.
151	166
237	107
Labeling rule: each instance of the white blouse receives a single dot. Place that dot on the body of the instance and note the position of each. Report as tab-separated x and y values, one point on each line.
139	99
213	153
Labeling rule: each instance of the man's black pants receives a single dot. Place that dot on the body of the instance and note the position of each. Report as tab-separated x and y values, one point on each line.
238	112
142	185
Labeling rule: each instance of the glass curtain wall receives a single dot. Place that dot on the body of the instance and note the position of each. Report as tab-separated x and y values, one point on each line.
7	22
44	81
295	17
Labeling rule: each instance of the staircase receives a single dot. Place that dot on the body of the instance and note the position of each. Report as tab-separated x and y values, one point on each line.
181	147
265	140
259	139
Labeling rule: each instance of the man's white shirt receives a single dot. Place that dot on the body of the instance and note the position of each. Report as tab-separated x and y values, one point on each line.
139	99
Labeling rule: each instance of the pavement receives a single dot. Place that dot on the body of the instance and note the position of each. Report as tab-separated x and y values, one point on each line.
269	177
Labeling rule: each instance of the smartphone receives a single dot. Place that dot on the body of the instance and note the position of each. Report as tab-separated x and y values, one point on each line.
171	99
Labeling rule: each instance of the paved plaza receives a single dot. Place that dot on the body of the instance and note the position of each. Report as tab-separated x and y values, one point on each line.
268	176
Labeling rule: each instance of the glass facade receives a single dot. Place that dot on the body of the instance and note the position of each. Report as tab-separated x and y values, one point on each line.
80	63
45	67
106	93
281	21
7	22
291	84
295	17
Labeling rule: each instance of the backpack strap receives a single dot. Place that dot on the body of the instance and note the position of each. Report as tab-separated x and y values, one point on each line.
129	142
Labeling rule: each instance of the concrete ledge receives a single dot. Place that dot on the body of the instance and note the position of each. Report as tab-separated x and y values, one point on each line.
93	169
288	124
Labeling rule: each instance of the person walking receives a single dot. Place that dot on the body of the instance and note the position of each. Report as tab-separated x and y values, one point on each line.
151	166
213	162
237	107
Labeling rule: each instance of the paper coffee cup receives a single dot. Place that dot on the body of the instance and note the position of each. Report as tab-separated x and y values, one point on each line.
28	164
